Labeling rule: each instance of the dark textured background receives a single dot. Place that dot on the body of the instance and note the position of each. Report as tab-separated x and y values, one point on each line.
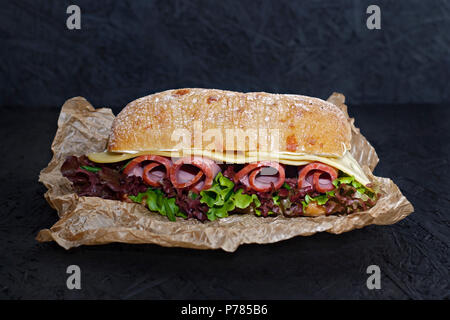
127	49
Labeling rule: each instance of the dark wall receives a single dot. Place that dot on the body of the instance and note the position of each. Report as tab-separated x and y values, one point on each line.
127	49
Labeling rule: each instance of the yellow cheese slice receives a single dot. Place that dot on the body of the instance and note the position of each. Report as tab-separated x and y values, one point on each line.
220	157
346	164
111	157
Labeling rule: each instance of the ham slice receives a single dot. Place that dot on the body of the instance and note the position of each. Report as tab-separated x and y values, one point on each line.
262	176
153	169
195	173
317	175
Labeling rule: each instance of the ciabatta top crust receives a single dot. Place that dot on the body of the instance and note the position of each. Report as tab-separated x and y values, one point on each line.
303	124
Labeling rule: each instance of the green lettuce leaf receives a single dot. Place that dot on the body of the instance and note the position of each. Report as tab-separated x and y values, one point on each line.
221	199
158	202
242	201
258	213
276	200
362	190
91	169
137	198
320	200
192	195
219	191
344	179
286	186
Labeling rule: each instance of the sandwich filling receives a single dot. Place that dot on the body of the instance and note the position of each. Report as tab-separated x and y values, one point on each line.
195	186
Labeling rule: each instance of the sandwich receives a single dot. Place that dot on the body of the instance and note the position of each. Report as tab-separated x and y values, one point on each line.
207	154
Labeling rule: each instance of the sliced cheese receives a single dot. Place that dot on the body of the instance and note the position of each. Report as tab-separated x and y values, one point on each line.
111	157
346	164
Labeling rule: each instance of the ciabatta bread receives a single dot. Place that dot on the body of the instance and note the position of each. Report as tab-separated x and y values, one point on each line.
305	125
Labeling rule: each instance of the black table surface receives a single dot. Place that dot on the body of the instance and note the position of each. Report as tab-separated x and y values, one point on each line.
412	142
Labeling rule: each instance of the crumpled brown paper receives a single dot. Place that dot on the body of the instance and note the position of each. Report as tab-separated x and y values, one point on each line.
91	220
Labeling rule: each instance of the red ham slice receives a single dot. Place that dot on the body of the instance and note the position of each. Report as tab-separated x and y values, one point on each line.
260	176
195	173
318	175
151	168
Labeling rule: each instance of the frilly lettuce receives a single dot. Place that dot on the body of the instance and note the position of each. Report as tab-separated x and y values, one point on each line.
158	202
361	191
221	199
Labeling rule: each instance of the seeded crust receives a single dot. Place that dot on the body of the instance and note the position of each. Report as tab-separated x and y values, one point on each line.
304	125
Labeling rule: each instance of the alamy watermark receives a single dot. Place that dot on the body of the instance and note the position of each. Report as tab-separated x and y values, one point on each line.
374	280
374	20
231	141
74	20
74	280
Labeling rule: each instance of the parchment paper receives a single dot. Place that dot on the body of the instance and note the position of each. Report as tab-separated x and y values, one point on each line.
91	220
